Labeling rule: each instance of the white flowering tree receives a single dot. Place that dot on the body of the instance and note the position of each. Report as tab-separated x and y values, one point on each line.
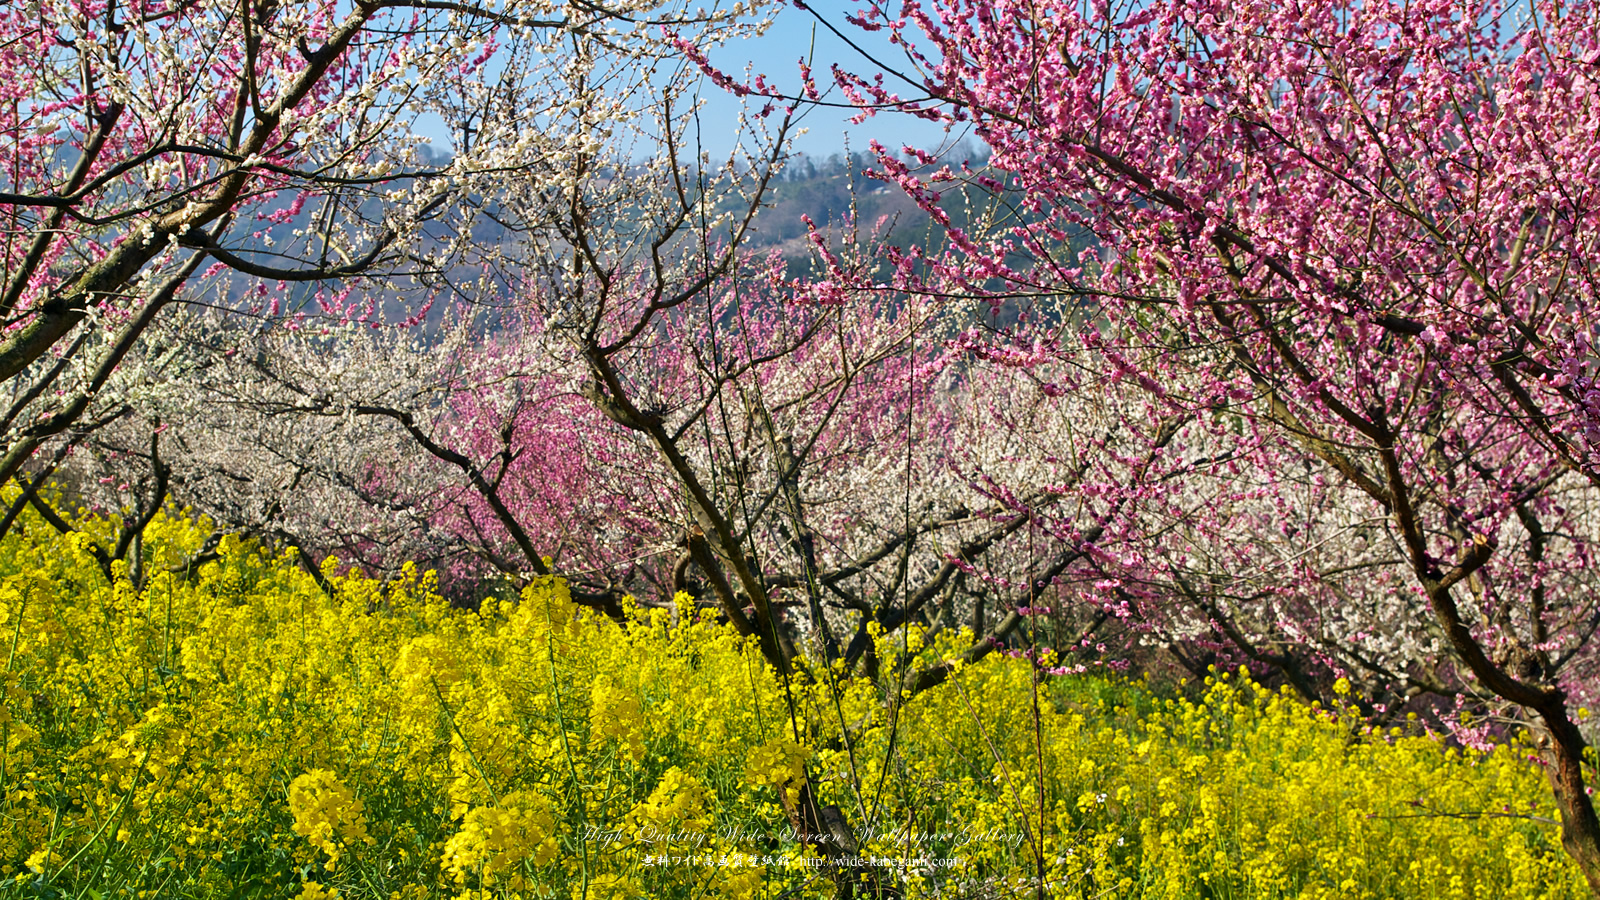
263	156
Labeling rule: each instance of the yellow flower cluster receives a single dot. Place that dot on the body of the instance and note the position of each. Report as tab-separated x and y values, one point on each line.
327	814
232	723
679	801
779	762
315	891
616	713
496	843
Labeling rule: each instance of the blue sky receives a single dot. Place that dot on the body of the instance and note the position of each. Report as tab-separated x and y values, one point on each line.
795	34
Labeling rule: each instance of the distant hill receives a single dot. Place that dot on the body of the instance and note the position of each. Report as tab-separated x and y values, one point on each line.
837	195
847	205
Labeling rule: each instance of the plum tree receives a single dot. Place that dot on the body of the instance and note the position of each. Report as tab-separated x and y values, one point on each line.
1363	233
262	155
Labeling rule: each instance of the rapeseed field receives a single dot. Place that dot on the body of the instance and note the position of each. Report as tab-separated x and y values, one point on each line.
232	729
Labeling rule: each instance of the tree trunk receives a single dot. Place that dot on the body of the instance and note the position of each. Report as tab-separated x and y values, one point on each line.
1580	828
826	829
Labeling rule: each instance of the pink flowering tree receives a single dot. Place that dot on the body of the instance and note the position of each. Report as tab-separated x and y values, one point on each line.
1357	237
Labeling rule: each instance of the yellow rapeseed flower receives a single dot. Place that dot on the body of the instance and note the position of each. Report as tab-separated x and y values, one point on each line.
327	814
